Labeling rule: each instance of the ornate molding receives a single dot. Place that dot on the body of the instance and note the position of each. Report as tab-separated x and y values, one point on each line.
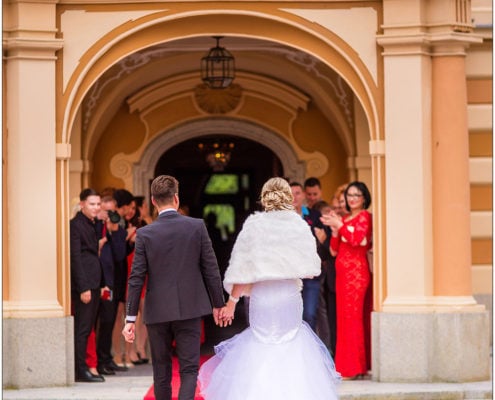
294	166
32	48
32	309
136	60
218	101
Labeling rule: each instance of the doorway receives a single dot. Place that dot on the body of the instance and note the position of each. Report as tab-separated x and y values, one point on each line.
226	195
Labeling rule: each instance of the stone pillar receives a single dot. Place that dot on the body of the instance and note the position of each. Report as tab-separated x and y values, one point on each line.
450	172
429	327
37	336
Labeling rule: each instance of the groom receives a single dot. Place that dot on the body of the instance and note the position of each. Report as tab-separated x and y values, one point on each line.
176	255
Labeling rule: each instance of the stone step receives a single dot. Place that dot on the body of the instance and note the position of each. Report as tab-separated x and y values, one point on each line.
134	387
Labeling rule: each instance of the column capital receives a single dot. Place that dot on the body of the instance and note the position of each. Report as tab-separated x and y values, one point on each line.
40	48
430	44
63	151
377	148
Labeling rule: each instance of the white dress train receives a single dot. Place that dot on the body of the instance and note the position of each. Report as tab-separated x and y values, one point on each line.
278	357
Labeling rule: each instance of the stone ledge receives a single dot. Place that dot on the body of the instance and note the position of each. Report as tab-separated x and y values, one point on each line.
431	347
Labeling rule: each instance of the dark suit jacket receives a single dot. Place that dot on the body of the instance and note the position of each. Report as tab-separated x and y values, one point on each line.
113	251
184	282
85	265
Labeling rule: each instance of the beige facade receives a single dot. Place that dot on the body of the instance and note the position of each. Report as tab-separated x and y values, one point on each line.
397	94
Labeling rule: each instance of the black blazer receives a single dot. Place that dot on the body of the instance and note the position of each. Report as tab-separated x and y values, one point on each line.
176	254
85	264
112	252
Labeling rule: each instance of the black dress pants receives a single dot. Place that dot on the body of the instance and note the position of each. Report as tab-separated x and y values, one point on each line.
187	334
84	321
106	321
331	301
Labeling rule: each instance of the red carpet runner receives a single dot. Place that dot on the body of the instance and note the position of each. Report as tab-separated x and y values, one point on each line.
175	382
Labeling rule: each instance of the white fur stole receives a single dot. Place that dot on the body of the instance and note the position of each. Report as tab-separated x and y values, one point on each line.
272	245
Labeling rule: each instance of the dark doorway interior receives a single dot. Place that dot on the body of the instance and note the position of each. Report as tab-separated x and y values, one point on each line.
230	193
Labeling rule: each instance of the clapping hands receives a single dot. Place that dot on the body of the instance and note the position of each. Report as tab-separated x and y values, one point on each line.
333	220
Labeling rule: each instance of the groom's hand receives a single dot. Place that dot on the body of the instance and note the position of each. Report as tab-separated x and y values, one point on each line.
129	332
220	315
216	315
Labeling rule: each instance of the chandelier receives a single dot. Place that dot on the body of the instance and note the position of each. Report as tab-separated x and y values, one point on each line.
218	67
217	154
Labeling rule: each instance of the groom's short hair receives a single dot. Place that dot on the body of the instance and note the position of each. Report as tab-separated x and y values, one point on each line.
163	189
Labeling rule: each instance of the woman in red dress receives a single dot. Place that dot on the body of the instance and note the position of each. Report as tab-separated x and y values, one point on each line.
351	239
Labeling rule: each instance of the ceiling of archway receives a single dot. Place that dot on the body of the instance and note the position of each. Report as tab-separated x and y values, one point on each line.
287	65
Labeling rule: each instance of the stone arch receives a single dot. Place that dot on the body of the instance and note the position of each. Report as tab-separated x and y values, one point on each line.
279	27
288	30
144	169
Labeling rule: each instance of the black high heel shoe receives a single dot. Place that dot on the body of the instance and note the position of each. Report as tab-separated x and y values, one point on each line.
143	360
136	362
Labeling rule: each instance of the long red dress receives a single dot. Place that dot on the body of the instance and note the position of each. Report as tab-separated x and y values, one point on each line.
352	278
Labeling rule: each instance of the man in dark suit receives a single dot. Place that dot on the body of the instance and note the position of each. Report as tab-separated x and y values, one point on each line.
184	284
311	286
86	278
113	252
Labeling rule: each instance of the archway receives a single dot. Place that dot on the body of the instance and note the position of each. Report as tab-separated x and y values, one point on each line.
143	171
295	33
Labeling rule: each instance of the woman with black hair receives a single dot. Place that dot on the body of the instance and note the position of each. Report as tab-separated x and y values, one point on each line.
350	242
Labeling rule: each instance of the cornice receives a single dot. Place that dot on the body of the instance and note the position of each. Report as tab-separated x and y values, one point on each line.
431	44
31	48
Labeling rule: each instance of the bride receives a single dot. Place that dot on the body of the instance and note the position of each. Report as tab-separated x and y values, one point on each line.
278	357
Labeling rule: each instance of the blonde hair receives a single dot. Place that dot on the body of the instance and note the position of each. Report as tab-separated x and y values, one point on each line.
276	195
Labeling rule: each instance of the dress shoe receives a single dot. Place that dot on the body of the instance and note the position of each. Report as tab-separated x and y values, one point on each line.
105	370
143	360
114	367
87	376
137	362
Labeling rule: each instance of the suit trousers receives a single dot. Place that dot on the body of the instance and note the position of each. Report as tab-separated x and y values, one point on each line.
105	323
84	322
187	334
311	296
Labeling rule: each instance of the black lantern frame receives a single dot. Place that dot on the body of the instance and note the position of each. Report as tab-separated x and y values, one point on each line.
218	67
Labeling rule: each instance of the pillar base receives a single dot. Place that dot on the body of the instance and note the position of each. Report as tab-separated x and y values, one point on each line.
426	347
38	352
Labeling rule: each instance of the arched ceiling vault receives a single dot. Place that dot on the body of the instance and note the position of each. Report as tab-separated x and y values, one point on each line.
326	89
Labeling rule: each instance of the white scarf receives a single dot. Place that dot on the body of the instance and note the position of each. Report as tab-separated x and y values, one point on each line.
272	245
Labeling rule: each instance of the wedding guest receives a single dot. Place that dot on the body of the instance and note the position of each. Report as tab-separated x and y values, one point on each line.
123	200
338	200
136	352
112	249
312	191
278	357
327	312
350	241
311	286
143	211
86	279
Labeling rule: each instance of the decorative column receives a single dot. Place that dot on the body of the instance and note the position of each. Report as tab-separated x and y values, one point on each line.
450	171
428	316
37	335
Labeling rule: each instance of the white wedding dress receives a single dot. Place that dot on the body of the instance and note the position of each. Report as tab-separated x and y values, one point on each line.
278	357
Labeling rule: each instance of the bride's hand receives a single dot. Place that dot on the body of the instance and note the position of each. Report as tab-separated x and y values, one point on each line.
229	310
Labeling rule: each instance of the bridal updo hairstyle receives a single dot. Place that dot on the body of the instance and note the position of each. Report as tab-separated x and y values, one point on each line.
276	195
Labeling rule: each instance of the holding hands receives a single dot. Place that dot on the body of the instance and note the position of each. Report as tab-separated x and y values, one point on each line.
224	316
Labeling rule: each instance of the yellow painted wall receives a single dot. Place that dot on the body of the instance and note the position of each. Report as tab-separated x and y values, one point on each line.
313	133
480	94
